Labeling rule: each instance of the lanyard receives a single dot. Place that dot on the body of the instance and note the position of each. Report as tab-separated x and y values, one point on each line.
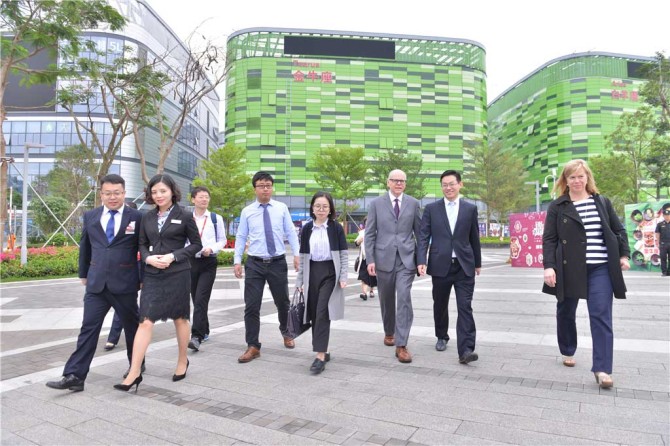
203	227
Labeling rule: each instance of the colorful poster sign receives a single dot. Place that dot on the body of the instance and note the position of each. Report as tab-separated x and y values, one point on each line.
525	241
641	220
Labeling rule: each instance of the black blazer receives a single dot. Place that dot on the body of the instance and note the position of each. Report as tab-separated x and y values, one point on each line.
436	233
177	229
110	264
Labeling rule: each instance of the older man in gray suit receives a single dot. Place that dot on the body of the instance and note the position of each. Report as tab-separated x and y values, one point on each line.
390	244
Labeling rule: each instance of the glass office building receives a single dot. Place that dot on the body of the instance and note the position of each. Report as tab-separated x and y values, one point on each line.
565	109
31	118
292	92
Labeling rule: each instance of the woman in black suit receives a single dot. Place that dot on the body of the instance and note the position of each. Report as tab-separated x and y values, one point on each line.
167	275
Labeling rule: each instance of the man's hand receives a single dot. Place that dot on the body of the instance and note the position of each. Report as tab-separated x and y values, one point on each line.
478	271
206	252
238	270
372	270
83	281
296	263
422	270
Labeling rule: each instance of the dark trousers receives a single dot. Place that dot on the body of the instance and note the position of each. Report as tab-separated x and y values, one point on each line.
599	304
96	307
203	274
257	274
464	286
321	286
116	329
664	252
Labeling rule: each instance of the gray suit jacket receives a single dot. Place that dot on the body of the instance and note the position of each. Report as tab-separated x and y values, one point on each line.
385	236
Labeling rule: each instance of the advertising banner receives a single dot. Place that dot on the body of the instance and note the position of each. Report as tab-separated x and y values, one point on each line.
525	243
641	220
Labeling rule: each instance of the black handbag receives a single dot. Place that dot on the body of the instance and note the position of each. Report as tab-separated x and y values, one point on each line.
296	312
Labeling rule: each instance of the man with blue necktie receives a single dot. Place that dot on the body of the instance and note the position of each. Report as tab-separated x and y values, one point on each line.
265	224
108	268
450	229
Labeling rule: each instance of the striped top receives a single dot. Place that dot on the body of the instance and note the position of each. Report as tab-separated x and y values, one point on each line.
596	251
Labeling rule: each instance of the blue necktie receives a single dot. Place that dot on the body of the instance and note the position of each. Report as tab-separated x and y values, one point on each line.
109	231
267	225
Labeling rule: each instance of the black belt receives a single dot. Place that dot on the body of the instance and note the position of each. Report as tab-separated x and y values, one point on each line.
267	260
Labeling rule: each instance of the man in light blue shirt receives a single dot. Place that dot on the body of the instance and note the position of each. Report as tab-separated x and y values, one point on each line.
264	224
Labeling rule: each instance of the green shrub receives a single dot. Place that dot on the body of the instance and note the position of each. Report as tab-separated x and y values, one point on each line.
226	258
43	263
352	237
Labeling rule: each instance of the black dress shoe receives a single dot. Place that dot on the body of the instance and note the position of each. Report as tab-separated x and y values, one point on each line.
363	296
441	345
69	382
327	357
176	377
127	387
142	370
468	357
318	366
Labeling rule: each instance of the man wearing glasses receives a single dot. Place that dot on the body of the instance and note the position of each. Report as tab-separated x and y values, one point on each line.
390	246
108	268
450	229
265	224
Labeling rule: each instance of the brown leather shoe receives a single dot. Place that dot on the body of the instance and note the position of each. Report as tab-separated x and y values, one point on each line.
289	343
249	355
403	355
389	341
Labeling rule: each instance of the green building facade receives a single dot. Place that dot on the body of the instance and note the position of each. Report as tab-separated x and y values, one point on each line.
292	92
565	110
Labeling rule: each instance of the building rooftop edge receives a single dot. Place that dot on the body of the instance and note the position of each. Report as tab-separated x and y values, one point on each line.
569	56
354	33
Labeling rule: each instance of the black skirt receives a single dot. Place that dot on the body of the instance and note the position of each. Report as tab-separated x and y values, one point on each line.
364	276
166	296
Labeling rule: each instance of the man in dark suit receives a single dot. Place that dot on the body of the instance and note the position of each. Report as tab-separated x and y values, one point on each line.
390	245
450	229
108	268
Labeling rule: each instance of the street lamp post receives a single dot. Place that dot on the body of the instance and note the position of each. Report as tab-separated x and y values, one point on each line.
24	207
553	182
537	194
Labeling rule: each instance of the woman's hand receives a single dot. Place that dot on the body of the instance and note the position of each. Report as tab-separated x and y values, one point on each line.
343	283
550	277
625	265
160	261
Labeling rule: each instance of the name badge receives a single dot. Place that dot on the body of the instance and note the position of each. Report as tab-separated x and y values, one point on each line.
176	222
130	229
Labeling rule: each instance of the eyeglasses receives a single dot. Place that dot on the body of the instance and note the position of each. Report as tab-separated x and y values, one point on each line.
452	184
393	180
263	186
112	194
321	207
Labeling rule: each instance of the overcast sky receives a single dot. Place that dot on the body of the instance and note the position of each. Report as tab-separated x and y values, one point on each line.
519	35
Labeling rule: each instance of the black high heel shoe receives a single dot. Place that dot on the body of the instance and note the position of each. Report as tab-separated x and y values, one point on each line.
176	377
127	387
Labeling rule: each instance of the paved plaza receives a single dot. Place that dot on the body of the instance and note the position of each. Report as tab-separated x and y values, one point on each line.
517	393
